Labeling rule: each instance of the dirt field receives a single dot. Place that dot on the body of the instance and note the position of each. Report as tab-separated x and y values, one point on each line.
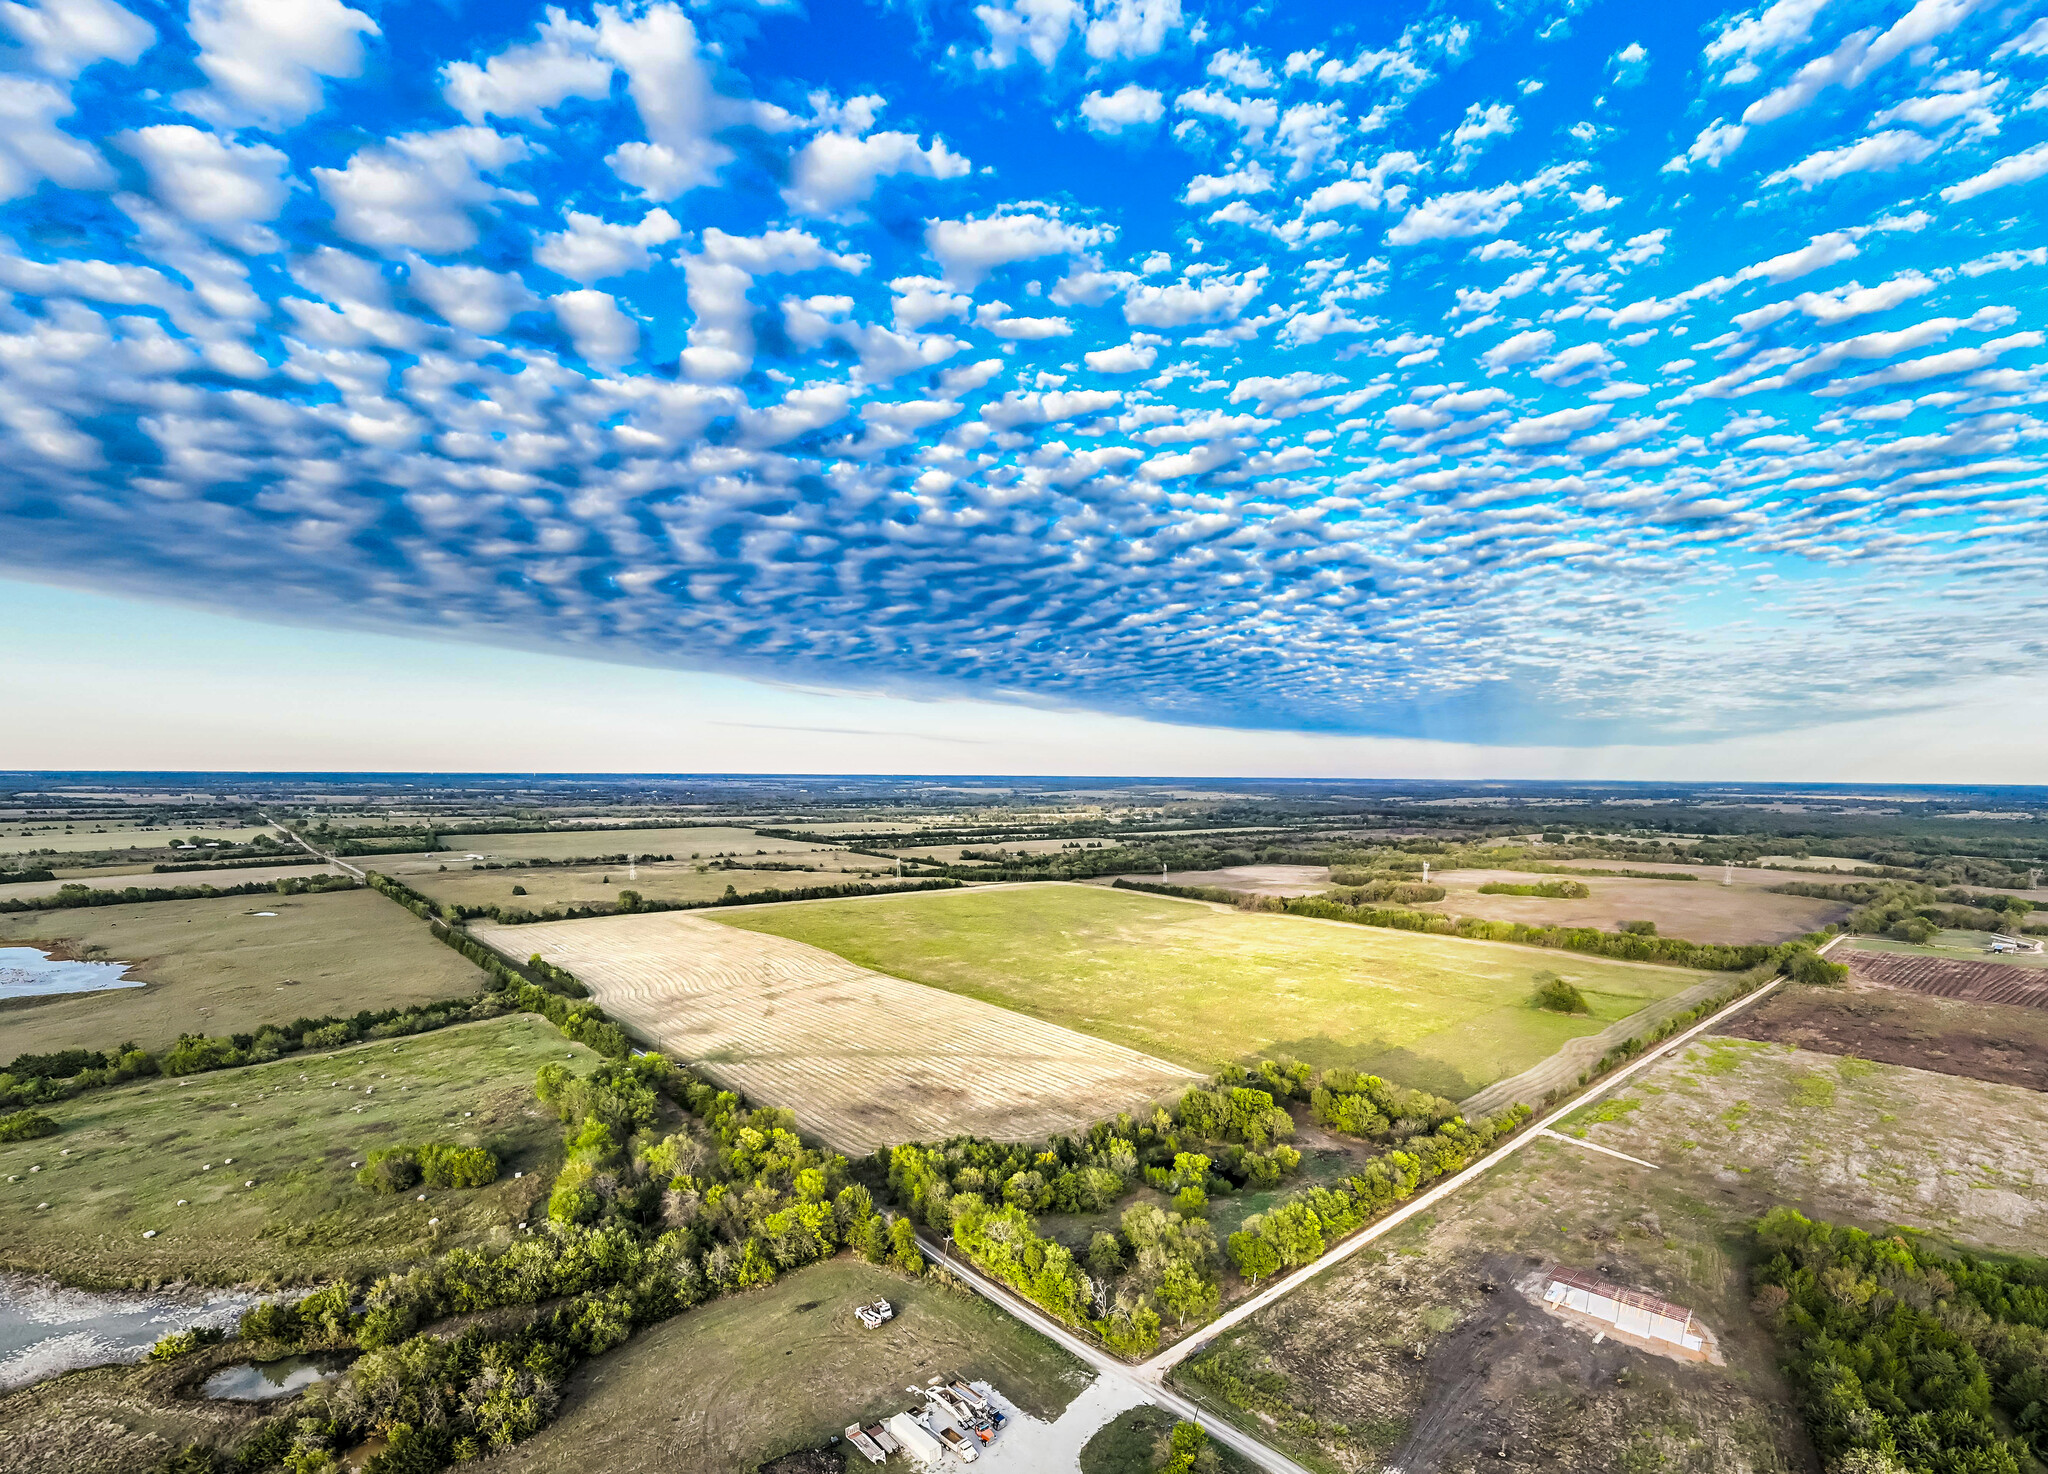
724	1387
863	1059
599	885
120	877
1839	1138
1257	880
1982	1041
292	1127
1423	1355
1207	985
1971	947
1699	911
1943	977
215	967
569	844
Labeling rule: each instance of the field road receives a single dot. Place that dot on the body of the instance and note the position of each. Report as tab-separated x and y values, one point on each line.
1147	1387
308	848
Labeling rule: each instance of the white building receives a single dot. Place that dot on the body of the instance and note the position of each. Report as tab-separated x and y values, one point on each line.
1629	1312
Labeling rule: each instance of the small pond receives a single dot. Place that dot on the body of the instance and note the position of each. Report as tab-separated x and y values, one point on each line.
263	1381
26	972
47	1328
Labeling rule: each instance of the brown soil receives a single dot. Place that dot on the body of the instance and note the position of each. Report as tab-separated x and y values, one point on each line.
1948	977
1699	910
808	1461
1979	1041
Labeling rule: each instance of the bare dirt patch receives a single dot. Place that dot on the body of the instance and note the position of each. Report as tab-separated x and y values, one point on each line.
864	1059
1978	982
1976	1040
1700	911
1251	880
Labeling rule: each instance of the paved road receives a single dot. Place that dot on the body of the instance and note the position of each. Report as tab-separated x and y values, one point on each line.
1147	1386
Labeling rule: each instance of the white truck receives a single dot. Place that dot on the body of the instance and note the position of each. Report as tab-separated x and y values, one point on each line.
915	1439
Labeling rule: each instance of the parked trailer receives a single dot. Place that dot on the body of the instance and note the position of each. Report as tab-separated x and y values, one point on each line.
954	1439
870	1450
914	1438
883	1440
966	1393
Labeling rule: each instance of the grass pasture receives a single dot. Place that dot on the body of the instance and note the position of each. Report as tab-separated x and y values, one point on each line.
292	1127
215	967
747	1378
19	839
1204	985
570	844
599	885
1699	911
120	877
864	1059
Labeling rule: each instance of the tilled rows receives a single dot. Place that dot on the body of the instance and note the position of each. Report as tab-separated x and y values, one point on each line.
1974	982
862	1058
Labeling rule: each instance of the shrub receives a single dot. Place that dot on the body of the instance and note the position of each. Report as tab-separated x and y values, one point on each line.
390	1169
1559	996
184	1343
1640	928
26	1126
458	1166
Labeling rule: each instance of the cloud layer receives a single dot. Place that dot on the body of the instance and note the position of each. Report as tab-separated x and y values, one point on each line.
1537	378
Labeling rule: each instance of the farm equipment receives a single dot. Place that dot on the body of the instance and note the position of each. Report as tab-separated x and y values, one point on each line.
869	1449
954	1408
873	1316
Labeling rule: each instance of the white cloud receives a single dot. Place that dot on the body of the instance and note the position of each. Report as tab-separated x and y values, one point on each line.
968	250
222	186
2019	168
1240	69
1521	348
1253	116
64	37
1761	33
1576	362
33	148
1130	106
1475	211
1716	141
1857	57
922	300
1879	153
1277	393
1854	300
996	317
839	168
1482	121
1131	28
721	340
1214	299
1203	188
470	297
1629	66
524	81
1039	27
670	84
417	190
593	248
603	334
1551	428
1593	199
266	58
1125	358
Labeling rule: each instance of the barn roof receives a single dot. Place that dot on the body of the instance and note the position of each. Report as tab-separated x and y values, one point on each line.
1593	1284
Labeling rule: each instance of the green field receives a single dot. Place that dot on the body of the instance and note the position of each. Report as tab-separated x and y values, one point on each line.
20	839
749	1377
1204	986
215	967
569	844
1958	946
292	1127
599	885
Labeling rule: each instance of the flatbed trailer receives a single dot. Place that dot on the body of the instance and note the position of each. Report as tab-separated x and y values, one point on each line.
869	1449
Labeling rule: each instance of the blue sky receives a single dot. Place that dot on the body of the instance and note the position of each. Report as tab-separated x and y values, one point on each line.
1510	375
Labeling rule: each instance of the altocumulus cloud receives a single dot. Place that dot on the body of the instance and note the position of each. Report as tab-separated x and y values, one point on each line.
1129	354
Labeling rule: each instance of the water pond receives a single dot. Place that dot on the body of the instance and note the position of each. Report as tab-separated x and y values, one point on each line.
264	1381
26	972
47	1329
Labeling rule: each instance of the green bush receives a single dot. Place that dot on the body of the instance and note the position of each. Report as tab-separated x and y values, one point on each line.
390	1169
458	1166
184	1343
1555	890
1559	996
26	1126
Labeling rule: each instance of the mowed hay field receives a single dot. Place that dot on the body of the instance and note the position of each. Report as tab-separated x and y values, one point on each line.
722	1388
1698	910
292	1127
17	840
864	1059
121	877
1206	985
599	885
570	844
214	967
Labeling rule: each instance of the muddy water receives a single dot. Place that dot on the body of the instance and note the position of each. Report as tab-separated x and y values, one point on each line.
26	972
47	1329
264	1381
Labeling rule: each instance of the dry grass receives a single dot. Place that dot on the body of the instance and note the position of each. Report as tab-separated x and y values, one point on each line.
569	844
120	877
1699	911
214	967
863	1059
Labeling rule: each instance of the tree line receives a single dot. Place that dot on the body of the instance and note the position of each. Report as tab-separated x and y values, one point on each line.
72	896
1907	1360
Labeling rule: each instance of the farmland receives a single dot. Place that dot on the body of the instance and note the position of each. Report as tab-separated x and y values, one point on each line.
787	1367
569	844
17	840
215	966
599	885
1984	1041
126	1155
863	1059
1699	911
120	877
1206	986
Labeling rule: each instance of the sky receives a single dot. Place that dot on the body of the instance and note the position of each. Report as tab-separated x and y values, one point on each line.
1230	389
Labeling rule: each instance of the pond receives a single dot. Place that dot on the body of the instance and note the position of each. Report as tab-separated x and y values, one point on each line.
264	1381
26	972
47	1328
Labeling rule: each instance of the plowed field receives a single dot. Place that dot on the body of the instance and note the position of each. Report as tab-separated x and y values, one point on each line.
863	1059
1976	982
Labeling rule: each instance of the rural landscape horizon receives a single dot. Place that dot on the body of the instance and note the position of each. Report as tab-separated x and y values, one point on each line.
1069	736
